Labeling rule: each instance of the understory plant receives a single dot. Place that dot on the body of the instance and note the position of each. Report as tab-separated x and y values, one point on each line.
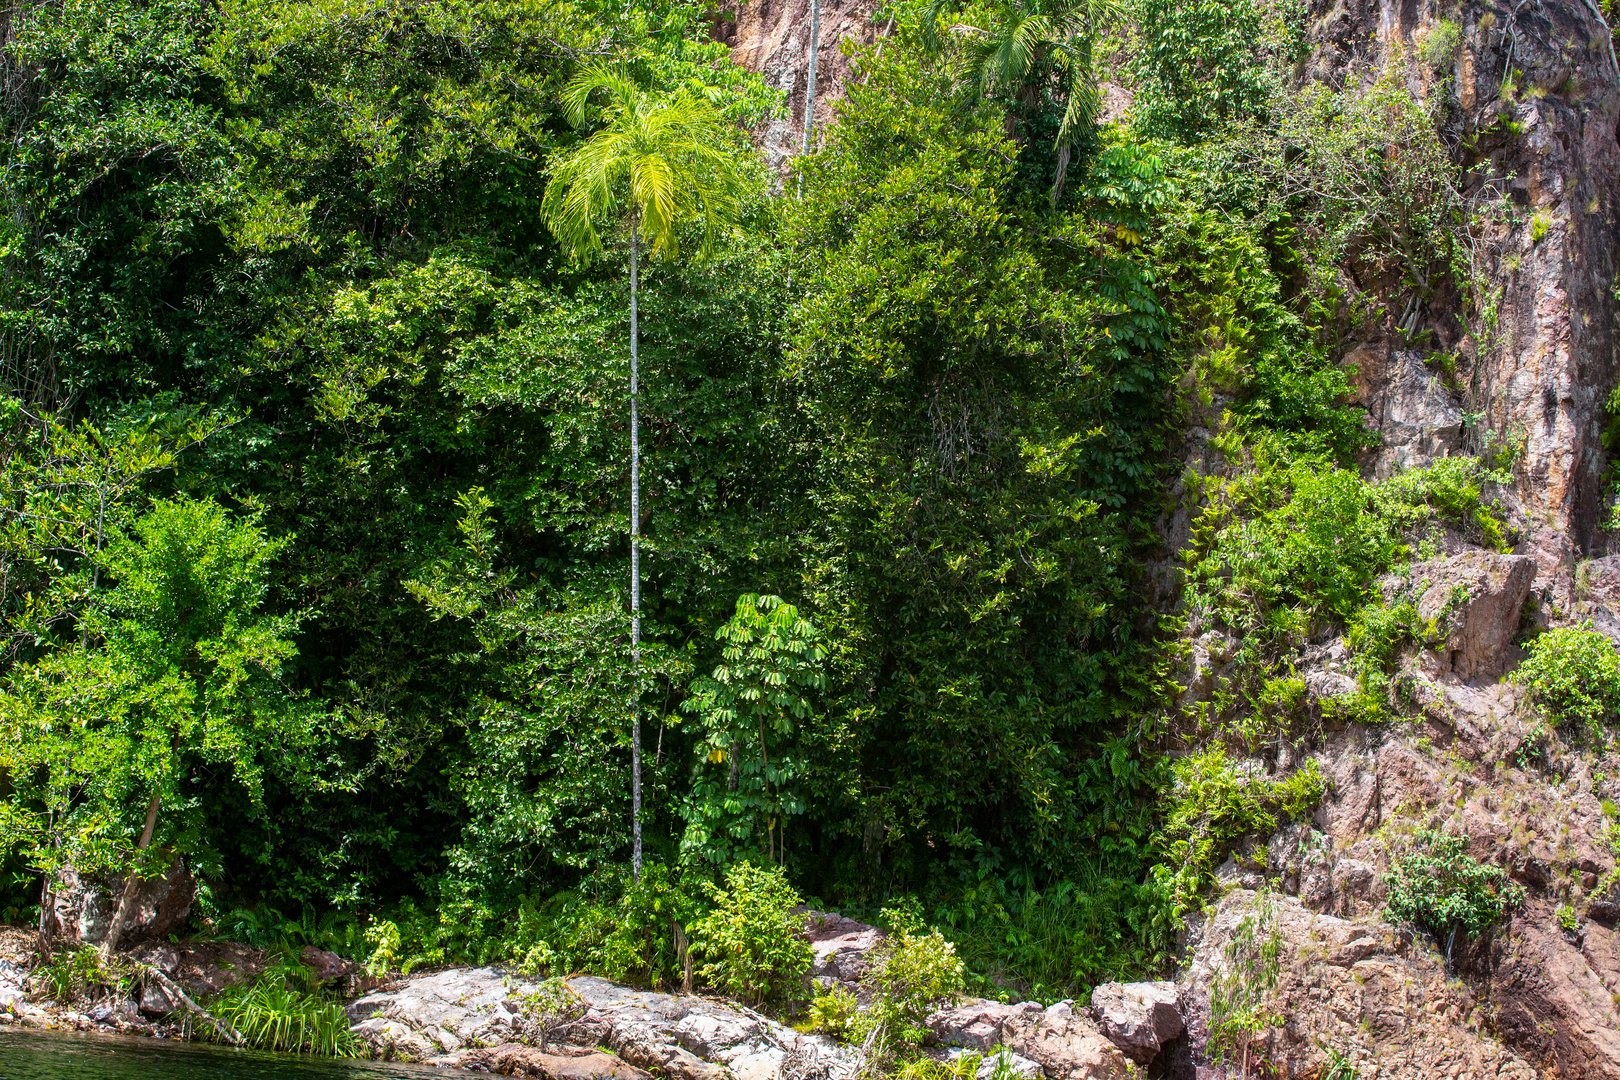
751	945
1438	888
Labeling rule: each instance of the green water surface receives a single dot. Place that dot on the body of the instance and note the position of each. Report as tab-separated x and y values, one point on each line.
74	1057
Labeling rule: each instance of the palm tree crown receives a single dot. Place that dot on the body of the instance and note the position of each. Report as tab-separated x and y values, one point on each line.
668	153
1025	40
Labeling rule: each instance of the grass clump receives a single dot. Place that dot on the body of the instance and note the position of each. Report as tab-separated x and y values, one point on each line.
286	1011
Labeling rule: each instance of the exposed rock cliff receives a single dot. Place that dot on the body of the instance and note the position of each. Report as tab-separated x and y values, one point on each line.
1529	103
772	37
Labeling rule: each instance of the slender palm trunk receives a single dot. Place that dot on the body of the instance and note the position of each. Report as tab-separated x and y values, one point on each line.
810	77
635	572
132	884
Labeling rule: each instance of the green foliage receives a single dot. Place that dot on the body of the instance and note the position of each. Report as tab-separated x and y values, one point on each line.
176	675
1053	942
1540	225
283	1011
751	945
913	972
80	975
1567	920
1198	66
1215	802
1241	1005
1311	550
665	158
1362	183
971	446
1438	887
756	723
1572	676
1438	46
833	1012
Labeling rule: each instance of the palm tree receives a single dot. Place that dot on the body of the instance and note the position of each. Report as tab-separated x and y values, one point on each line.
1024	41
658	163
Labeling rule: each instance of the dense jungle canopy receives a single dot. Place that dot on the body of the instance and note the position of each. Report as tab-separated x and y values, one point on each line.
314	461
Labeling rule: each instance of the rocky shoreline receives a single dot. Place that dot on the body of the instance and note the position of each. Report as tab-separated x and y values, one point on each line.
489	1020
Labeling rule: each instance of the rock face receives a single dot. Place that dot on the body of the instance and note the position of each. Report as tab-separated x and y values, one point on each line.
1353	990
1139	1018
1478	597
1541	371
772	37
80	909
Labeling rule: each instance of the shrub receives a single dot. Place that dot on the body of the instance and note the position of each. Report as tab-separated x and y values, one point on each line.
913	972
73	976
833	1012
1572	675
1439	888
750	945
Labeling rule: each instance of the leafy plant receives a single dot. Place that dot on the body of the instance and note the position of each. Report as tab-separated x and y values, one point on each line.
1438	887
751	945
912	973
833	1012
1241	1005
1572	677
1214	802
755	721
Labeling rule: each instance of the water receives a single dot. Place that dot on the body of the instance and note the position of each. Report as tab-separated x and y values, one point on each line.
74	1057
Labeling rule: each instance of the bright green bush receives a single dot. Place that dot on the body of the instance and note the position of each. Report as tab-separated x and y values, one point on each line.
913	973
1438	887
751	945
1572	675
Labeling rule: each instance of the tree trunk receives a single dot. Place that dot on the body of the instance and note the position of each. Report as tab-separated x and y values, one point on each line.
635	572
810	73
132	884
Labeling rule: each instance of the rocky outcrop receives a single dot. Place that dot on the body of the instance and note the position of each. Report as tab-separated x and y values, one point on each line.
80	909
1538	368
1354	991
1063	1043
840	949
772	37
1139	1018
458	1017
1476	597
